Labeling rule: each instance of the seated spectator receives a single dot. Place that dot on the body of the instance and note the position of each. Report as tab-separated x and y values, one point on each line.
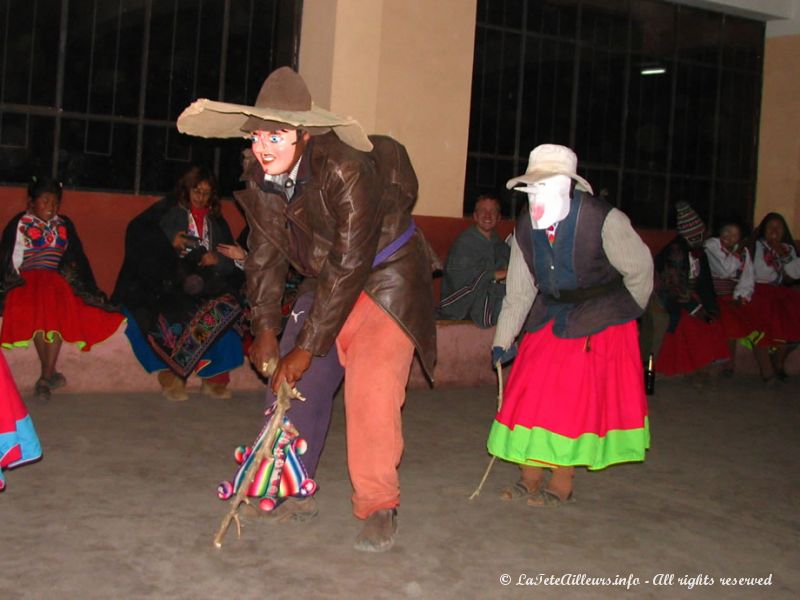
474	285
732	276
48	287
776	301
683	286
181	294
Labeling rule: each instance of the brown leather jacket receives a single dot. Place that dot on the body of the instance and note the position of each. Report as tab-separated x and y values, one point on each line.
347	206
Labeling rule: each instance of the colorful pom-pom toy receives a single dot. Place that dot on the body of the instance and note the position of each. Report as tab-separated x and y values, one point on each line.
274	480
225	490
300	446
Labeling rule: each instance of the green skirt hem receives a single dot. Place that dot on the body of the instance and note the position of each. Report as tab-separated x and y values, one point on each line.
49	337
539	447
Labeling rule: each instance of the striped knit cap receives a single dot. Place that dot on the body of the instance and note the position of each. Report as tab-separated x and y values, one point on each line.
690	225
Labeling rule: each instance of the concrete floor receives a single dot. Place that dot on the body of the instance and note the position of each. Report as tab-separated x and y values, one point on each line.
123	505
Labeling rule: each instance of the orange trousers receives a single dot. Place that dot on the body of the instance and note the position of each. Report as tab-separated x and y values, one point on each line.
376	355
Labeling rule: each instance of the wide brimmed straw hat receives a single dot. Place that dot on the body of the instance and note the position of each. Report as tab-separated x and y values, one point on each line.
284	101
548	160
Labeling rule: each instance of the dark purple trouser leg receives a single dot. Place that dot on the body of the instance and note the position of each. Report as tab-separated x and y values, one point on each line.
318	386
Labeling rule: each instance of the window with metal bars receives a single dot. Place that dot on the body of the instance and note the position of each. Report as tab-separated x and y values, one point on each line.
660	102
90	89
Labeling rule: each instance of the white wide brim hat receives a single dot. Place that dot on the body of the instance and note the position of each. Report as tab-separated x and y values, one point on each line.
547	160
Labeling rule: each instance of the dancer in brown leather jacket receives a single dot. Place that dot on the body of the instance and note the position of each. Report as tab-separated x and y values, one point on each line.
336	205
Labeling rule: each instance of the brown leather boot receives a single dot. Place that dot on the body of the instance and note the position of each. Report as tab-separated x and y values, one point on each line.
379	531
297	510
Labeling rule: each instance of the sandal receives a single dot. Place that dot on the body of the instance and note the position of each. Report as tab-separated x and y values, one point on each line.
42	389
57	380
548	499
517	491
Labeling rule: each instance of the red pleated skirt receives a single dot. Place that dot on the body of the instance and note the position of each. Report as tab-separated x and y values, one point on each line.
19	443
693	345
737	320
778	310
47	303
568	387
569	402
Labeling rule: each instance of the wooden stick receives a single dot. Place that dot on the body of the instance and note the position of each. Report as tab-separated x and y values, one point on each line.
477	491
264	453
499	386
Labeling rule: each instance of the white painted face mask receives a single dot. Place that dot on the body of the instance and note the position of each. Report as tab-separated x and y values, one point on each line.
548	200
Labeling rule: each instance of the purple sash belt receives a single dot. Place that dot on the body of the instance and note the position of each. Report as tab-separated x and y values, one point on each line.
395	245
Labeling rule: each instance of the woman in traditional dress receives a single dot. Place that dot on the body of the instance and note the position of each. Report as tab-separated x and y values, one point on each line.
695	339
578	278
776	299
732	276
181	293
48	287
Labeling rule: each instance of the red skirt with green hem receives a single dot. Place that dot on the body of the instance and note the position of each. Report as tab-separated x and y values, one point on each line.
736	319
778	310
47	303
572	404
693	345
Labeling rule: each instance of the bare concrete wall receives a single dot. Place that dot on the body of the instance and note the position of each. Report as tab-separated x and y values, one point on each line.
402	68
779	150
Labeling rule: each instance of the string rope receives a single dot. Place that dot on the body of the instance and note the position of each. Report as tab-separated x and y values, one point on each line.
499	368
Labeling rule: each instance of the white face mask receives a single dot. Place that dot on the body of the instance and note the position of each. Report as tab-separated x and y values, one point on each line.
548	200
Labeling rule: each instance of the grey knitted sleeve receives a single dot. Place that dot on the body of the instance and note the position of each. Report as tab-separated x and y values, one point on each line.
520	294
629	255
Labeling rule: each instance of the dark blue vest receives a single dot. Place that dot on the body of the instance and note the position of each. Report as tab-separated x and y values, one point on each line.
579	289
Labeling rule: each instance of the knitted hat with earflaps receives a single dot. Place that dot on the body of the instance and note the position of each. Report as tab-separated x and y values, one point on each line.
690	226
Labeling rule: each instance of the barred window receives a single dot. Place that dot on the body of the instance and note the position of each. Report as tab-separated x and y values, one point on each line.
90	89
660	102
